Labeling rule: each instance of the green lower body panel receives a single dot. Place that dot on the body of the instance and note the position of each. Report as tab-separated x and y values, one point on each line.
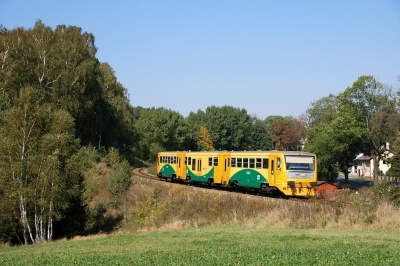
249	178
167	171
200	178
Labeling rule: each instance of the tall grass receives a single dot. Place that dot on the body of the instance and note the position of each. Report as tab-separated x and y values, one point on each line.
152	205
149	205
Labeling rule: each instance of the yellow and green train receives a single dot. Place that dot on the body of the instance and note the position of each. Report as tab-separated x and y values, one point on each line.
291	173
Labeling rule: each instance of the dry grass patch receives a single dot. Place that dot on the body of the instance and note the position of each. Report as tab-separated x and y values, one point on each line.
149	205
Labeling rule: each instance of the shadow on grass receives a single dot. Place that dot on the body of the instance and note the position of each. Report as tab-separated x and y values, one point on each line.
105	225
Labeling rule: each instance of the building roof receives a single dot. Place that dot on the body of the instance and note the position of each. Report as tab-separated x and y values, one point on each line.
364	158
325	182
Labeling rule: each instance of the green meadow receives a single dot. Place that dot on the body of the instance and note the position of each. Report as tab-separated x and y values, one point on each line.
217	245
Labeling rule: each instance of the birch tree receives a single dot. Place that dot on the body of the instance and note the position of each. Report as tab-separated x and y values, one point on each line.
35	142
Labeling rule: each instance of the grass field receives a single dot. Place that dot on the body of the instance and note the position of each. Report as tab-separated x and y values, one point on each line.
217	245
160	223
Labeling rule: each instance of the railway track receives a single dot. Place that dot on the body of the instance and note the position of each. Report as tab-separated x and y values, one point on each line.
142	172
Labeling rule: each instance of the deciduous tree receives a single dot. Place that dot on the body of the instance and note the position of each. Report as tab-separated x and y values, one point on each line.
375	106
260	136
164	127
205	140
35	143
229	127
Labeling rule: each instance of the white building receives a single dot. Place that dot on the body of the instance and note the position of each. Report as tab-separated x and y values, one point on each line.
365	164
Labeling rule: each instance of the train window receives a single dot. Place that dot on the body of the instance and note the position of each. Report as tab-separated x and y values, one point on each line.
209	161
168	159
272	167
252	160
233	162
278	163
215	161
175	160
185	160
239	162
299	162
265	163
258	162
245	162
189	160
194	164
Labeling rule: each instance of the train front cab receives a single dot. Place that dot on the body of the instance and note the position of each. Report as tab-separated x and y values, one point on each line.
170	165
296	173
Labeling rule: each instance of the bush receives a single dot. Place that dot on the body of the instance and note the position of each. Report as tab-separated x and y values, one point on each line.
389	190
113	158
121	180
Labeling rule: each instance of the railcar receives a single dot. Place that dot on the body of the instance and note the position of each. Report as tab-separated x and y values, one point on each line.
285	172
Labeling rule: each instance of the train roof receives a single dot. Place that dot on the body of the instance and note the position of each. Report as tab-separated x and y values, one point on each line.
243	152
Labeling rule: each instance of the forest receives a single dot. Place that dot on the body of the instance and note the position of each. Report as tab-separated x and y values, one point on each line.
62	112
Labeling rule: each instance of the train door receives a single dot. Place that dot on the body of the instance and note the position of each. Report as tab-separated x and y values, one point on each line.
272	171
278	171
181	167
199	174
227	168
192	173
219	166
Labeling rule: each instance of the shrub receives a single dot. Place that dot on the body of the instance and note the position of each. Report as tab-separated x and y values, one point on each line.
389	190
113	158
121	180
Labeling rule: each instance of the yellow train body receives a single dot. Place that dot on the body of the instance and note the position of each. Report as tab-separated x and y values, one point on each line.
290	173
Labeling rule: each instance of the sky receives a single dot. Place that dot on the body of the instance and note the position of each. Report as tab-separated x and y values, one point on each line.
267	57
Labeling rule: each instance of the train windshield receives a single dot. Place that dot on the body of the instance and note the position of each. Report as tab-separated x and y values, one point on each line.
299	162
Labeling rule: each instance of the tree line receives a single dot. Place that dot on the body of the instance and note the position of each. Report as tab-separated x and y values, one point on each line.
216	128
